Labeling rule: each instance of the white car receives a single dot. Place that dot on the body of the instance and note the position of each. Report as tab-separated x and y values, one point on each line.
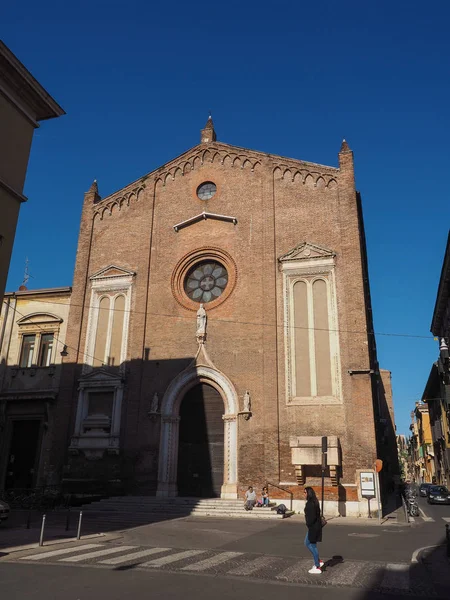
4	511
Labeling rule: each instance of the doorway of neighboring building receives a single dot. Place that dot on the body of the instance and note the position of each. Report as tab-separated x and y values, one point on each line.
23	454
201	443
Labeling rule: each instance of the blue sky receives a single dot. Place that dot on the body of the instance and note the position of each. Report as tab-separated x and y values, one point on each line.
137	81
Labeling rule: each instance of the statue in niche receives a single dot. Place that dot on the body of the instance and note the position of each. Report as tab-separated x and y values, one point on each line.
247	405
154	404
201	324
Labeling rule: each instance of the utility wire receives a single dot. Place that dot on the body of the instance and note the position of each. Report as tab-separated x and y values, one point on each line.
253	323
58	341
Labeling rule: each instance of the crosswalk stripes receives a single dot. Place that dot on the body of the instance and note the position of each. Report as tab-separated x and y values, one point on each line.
59	552
348	573
97	554
351	573
446	519
396	576
166	560
296	573
254	565
117	560
214	561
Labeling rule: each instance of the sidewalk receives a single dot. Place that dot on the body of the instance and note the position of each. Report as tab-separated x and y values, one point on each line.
437	563
15	533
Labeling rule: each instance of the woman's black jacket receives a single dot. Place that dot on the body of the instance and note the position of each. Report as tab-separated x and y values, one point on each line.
313	521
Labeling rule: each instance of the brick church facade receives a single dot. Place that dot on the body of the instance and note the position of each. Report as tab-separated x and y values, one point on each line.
220	325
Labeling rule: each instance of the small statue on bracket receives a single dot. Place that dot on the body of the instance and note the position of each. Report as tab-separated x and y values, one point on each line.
201	324
247	407
247	412
155	403
154	407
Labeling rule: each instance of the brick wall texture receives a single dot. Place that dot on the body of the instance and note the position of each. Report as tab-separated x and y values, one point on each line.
278	203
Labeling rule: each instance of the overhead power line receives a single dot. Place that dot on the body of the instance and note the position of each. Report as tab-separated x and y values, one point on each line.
239	322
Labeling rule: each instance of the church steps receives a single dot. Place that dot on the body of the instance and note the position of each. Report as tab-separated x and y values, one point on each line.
146	509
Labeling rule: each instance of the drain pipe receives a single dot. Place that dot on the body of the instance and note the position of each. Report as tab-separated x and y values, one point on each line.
5	319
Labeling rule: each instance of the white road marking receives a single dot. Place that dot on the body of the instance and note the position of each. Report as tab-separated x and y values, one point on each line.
60	552
346	573
121	559
211	562
396	576
424	516
166	560
253	565
446	519
297	572
103	552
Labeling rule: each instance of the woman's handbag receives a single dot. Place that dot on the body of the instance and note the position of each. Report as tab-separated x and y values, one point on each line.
323	521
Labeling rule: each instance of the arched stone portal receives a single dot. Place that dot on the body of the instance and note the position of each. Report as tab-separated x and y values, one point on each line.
170	418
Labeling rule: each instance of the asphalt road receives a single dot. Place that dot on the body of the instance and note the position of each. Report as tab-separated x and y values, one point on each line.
28	582
438	512
191	559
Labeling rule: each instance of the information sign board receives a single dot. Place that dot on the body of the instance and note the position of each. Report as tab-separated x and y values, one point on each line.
367	479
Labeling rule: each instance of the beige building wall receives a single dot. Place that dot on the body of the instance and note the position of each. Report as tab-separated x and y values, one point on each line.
29	392
23	102
39	306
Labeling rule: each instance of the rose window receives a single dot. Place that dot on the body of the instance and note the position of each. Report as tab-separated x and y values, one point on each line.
206	190
206	281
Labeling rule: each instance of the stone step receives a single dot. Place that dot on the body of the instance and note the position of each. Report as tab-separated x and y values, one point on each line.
140	510
174	512
173	501
165	503
124	520
162	510
137	508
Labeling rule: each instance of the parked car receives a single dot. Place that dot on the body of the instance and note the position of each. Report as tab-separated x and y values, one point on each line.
438	494
423	489
4	511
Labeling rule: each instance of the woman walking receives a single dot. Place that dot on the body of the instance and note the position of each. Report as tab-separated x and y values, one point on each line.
314	524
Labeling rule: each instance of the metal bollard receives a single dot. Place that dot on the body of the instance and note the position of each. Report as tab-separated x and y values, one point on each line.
68	520
41	539
79	525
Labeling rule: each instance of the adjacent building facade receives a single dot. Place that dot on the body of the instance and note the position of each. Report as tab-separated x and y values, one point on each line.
23	103
404	457
220	326
33	325
437	389
422	444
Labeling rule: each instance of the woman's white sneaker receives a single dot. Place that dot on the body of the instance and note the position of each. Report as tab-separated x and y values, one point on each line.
315	570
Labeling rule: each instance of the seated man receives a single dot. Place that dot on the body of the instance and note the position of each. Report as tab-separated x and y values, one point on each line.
250	499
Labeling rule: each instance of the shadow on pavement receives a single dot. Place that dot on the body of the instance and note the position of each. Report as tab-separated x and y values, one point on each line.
427	578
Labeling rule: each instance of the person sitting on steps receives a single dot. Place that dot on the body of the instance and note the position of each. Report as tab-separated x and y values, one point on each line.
265	496
250	498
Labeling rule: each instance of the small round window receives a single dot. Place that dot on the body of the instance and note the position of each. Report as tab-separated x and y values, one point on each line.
206	190
206	281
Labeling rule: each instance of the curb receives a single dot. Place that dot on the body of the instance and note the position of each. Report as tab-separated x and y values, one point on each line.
417	554
51	543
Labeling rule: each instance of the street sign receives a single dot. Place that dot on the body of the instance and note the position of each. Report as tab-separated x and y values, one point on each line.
367	480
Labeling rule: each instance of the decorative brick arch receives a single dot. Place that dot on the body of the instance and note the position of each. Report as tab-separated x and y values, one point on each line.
170	419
